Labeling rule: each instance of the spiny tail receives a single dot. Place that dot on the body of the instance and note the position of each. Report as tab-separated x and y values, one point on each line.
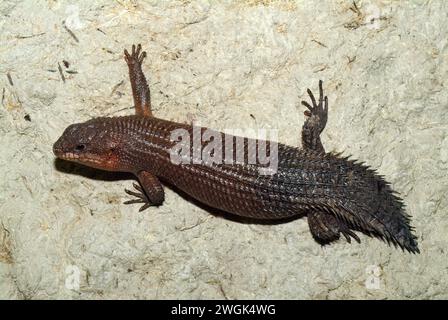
370	205
395	221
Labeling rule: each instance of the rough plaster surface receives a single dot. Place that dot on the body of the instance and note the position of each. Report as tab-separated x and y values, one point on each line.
384	64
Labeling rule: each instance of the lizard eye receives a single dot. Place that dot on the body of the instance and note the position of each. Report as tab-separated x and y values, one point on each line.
80	147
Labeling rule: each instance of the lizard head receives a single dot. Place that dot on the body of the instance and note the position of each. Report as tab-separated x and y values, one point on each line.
92	143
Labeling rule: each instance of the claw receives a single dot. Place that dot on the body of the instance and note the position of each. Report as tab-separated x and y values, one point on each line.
306	104
313	100
349	233
138	187
134	201
135	194
142	57
144	207
321	92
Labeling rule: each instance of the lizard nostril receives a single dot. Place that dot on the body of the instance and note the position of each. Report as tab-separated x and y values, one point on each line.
80	147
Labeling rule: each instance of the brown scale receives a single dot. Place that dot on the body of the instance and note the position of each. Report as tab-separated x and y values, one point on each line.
338	195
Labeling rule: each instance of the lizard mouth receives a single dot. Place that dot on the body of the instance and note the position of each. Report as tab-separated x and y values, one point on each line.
83	158
67	156
64	155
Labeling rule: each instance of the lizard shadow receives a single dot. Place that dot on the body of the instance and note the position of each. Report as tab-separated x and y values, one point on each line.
91	173
95	174
227	215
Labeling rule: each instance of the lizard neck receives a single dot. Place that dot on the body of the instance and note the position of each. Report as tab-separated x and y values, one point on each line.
146	142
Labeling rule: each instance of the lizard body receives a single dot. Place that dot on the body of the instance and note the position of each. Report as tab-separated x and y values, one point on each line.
338	196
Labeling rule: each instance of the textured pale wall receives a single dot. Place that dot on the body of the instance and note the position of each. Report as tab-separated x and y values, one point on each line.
218	63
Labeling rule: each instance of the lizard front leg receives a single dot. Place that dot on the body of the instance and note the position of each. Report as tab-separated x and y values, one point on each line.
140	89
150	192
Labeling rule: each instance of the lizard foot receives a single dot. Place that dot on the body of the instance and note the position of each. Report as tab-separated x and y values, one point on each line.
136	56
317	113
347	233
140	197
326	228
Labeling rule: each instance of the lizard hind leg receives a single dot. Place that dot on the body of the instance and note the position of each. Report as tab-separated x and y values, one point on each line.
317	115
326	228
140	89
